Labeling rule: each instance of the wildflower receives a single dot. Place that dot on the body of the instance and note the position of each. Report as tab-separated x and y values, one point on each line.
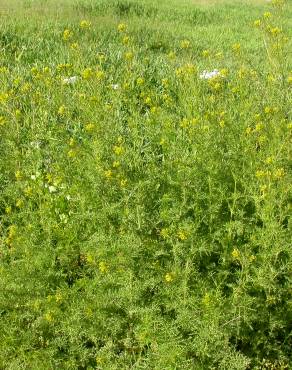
122	27
89	127
236	47
165	82
260	174
48	317
279	173
116	164
3	97
52	189
168	277
102	266
85	24
108	174
115	86
123	182
257	23
18	175
252	258
28	191
171	55
205	75
118	150
269	160
140	81
235	253
67	34
19	203
8	210
126	40
128	56
185	44
182	235
70	80
206	299
275	31
71	153
61	110
164	233
87	73
289	80
206	53
99	74
74	46
267	15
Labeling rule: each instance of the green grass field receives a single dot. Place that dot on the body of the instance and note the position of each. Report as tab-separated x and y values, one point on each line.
145	185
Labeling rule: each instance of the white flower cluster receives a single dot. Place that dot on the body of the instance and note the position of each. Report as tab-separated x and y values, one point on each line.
205	75
70	80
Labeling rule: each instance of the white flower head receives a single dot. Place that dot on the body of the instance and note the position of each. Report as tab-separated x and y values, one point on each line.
115	86
206	75
52	189
70	80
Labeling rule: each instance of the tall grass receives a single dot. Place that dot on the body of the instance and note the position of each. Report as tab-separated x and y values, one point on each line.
145	210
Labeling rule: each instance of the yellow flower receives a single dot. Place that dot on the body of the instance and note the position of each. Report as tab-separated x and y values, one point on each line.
168	277
118	150
185	44
58	297
8	210
257	23
279	173
126	40
260	174
74	46
147	100
140	81
171	55
19	203
108	174
18	175
85	24
61	110
48	317
122	27
269	160
89	127
289	80
236	47
206	53
206	299
28	191
182	235
67	34
102	266
123	182
87	73
100	74
267	15
72	153
128	55
275	31
164	233
235	253
252	258
116	164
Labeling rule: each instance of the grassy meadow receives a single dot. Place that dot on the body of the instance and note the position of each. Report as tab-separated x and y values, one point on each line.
145	185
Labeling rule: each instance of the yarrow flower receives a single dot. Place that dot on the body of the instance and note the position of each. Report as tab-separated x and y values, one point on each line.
70	80
205	75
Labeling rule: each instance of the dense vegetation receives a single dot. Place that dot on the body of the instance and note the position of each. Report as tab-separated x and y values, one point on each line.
145	181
